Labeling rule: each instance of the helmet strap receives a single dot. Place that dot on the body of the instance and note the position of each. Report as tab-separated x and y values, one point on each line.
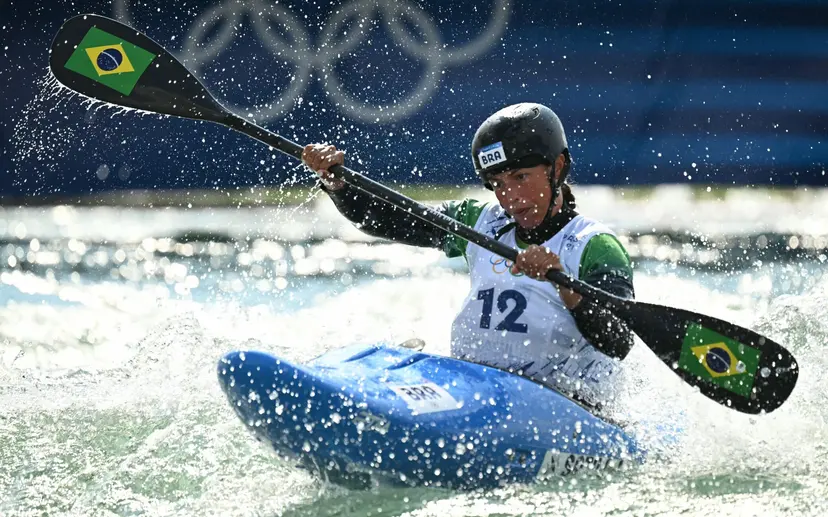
556	184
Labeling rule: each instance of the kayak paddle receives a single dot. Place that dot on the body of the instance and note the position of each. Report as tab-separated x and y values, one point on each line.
106	60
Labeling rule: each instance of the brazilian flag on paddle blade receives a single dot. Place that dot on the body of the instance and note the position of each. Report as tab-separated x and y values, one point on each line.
109	60
719	359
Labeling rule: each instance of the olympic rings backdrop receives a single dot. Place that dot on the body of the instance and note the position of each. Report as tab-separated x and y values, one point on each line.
663	91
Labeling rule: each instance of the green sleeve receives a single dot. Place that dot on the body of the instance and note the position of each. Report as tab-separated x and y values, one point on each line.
467	212
603	255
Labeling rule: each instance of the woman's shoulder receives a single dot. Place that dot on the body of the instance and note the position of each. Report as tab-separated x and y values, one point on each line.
585	227
596	240
470	211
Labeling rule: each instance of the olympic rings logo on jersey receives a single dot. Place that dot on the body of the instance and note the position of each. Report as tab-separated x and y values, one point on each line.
282	32
500	265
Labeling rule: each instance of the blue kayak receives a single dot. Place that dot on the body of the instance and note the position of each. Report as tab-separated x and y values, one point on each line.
367	414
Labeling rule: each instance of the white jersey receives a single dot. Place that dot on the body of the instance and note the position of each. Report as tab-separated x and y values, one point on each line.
521	324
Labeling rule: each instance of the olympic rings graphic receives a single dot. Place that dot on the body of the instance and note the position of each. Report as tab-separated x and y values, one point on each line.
273	24
500	265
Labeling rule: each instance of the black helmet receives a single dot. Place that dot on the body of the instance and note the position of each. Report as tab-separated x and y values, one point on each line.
518	136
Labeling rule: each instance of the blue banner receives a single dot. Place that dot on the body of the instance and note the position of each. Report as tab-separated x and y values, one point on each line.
680	91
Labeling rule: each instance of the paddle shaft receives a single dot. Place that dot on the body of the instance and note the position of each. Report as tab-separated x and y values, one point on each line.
169	88
419	210
662	329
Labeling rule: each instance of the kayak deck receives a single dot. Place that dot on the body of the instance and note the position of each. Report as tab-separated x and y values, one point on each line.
415	418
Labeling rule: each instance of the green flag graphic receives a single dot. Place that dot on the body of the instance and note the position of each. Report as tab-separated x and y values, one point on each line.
109	60
719	359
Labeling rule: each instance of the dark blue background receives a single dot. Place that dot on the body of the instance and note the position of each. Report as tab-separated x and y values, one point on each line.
688	91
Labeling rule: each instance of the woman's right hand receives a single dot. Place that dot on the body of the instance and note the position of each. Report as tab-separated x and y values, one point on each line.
321	157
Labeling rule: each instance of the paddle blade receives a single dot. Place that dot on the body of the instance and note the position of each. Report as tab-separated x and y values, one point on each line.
732	365
106	60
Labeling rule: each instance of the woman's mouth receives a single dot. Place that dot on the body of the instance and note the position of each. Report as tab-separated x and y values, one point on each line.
522	212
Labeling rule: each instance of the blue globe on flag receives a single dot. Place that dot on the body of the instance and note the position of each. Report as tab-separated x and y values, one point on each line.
110	59
718	360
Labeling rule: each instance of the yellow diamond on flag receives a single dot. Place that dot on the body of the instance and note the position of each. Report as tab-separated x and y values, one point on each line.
718	360
109	59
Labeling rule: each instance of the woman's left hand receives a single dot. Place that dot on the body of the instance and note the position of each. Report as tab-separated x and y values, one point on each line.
535	261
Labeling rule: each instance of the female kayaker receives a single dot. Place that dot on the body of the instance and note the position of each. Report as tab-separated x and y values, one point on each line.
513	318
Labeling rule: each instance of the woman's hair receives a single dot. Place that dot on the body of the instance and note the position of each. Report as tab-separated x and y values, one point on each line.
566	189
568	196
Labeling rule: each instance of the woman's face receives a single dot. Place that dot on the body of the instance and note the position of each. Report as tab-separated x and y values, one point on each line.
524	193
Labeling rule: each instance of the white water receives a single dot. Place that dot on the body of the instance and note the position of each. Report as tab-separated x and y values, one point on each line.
109	403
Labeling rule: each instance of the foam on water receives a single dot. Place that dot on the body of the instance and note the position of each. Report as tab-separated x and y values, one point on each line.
109	402
137	424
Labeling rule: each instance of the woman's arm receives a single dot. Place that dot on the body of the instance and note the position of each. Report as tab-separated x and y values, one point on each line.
605	265
383	220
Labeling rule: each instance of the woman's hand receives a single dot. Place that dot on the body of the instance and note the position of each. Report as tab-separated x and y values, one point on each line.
321	157
535	261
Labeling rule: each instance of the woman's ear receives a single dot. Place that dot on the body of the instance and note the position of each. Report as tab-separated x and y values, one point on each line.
560	163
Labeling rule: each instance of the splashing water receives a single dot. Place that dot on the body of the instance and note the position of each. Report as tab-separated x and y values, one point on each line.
33	139
109	402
